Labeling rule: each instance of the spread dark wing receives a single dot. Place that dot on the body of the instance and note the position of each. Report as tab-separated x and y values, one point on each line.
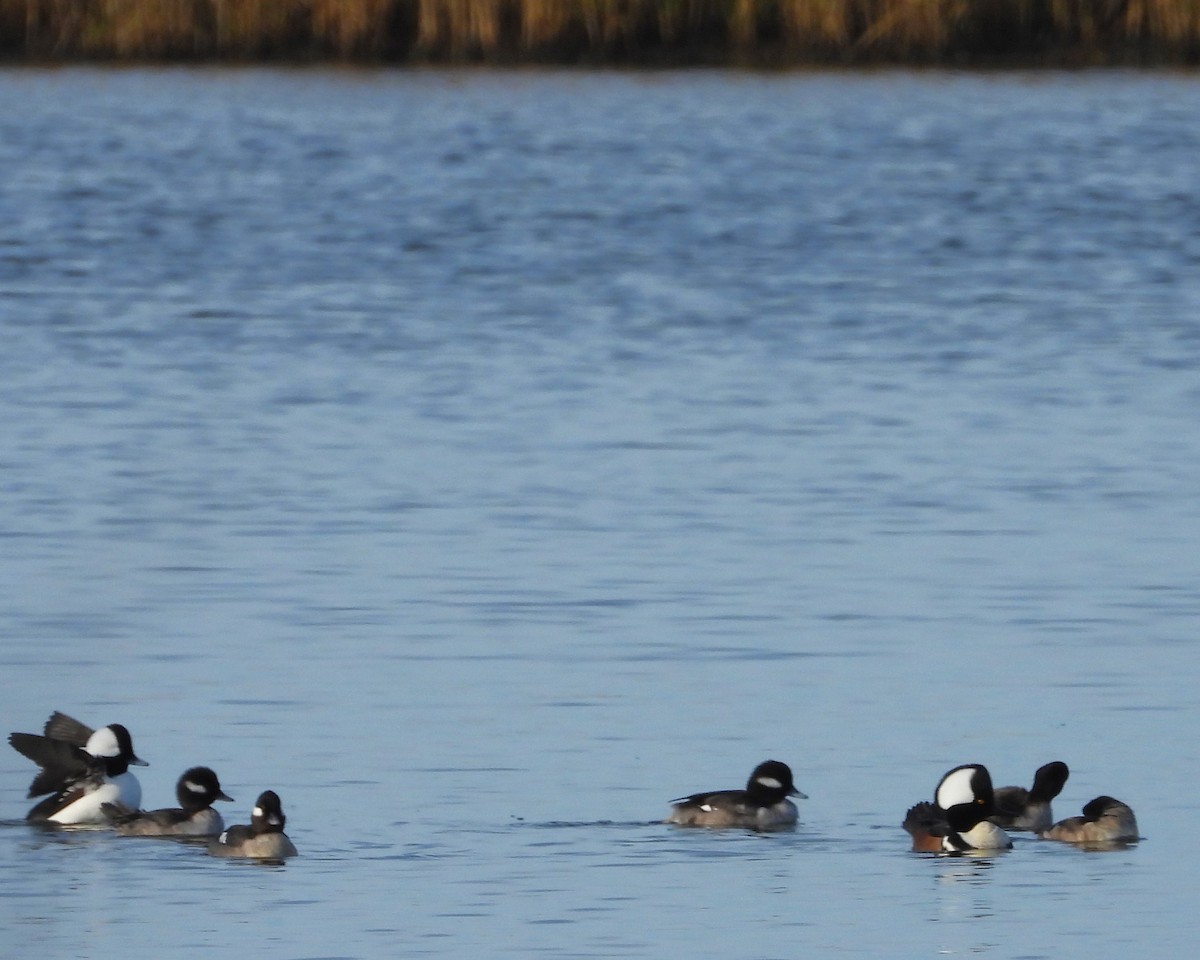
925	818
62	764
62	727
1010	802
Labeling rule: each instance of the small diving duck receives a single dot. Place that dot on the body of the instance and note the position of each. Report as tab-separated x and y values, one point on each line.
1021	809
1104	820
196	792
763	805
957	820
263	839
82	769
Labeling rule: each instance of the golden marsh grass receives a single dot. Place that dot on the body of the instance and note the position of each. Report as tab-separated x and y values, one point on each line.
751	32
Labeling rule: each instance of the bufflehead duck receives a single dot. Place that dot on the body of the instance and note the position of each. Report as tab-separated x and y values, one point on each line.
1104	820
957	820
196	792
264	839
82	769
763	805
1021	809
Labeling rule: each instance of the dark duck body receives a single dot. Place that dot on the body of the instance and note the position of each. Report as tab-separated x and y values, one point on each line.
763	805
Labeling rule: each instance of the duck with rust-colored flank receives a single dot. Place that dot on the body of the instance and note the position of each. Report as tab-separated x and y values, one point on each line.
957	820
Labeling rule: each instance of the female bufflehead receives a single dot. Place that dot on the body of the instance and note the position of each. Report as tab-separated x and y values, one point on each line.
82	769
763	805
957	820
196	792
1021	809
264	839
1104	820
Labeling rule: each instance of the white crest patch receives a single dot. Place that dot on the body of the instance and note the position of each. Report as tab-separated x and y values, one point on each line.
103	743
956	788
256	812
193	786
769	782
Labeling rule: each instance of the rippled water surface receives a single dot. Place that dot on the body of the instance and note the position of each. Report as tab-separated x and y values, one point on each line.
481	460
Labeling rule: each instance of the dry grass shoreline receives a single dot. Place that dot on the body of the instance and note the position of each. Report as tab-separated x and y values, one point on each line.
763	33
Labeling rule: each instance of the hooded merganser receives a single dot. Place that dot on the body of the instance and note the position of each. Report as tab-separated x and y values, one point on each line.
82	769
263	839
957	820
763	805
196	792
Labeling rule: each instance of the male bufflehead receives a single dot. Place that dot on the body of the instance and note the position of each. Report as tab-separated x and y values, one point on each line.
196	792
264	839
957	820
763	805
82	769
1104	820
1021	809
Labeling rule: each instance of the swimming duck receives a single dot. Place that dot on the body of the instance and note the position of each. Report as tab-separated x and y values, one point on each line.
1021	809
196	791
957	820
263	839
82	769
763	805
1104	820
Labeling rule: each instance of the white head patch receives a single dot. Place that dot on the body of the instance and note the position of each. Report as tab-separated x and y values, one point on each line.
707	807
194	787
103	743
257	812
956	788
769	782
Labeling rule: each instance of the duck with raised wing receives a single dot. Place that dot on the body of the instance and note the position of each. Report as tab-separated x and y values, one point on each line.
82	769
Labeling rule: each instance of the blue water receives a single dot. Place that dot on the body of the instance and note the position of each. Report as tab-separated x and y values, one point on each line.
482	460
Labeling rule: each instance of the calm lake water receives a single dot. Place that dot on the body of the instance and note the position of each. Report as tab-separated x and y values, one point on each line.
481	460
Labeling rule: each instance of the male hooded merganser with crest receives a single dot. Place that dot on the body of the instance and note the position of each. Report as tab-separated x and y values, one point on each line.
1021	809
957	820
82	769
1104	820
196	792
763	805
263	839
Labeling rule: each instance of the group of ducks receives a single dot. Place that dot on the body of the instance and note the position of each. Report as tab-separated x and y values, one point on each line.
86	775
966	814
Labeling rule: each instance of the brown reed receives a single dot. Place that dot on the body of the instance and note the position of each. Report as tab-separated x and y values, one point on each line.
629	32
